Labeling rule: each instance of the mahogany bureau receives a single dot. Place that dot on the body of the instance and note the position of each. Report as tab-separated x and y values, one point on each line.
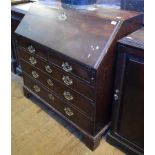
127	127
67	59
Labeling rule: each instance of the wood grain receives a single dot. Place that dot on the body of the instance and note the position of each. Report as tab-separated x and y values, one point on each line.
35	130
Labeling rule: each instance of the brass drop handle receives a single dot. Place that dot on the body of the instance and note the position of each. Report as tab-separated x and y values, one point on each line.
51	97
35	74
36	88
31	49
67	80
32	60
66	67
116	97
68	95
48	69
68	111
50	83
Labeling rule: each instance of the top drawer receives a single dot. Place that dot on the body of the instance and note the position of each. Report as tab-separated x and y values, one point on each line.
63	62
32	47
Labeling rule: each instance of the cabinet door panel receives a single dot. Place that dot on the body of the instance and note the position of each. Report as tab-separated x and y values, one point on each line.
127	127
131	125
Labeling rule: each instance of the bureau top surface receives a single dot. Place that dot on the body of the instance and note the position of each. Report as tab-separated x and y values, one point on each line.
135	39
80	36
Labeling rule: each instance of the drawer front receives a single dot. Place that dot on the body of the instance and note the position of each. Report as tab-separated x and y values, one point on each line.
85	105
60	75
71	67
33	48
64	108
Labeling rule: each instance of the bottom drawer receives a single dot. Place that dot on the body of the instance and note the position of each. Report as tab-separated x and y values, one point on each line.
64	108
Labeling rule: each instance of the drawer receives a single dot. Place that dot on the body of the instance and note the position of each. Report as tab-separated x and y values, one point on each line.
83	104
32	47
70	81
64	108
70	66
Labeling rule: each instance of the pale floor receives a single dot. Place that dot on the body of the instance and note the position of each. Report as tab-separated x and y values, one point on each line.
36	130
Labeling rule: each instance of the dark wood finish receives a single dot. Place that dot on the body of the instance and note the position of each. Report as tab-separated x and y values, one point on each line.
79	101
81	46
73	31
58	74
40	51
127	128
15	20
27	94
17	14
83	72
59	104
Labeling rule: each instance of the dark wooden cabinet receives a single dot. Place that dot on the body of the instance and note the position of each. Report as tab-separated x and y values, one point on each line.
17	13
127	129
67	59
